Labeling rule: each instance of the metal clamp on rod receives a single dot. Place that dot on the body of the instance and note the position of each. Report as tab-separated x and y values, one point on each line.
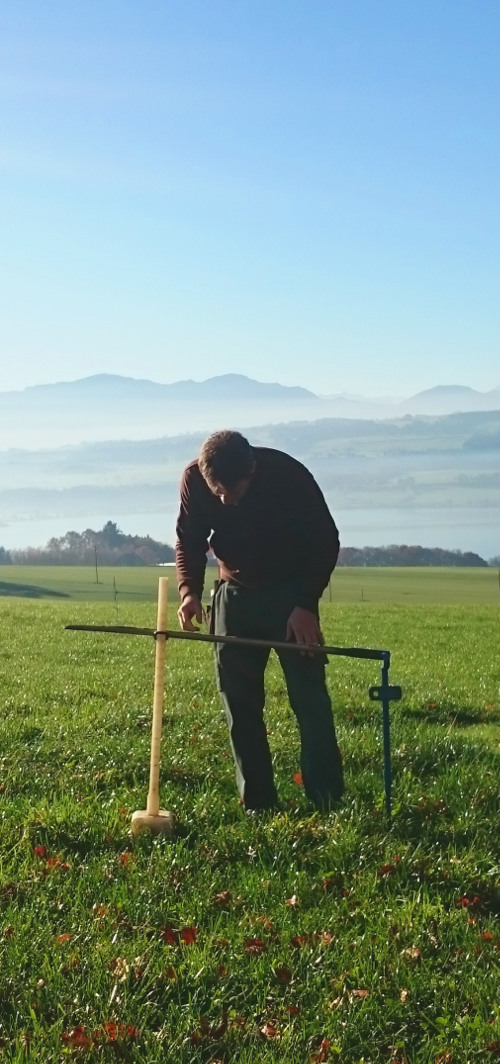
386	693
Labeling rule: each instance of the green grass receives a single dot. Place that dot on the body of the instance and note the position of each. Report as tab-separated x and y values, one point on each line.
298	937
408	586
120	584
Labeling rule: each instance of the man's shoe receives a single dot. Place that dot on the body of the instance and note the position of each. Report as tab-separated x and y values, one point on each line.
261	811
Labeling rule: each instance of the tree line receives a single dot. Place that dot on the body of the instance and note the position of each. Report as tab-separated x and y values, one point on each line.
401	554
111	546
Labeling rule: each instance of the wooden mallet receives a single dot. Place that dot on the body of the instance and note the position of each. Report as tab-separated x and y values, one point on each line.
159	821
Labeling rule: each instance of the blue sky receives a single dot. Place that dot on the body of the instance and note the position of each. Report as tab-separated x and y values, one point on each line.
304	191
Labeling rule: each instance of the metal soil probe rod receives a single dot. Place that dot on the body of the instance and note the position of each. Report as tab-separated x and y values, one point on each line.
207	637
385	693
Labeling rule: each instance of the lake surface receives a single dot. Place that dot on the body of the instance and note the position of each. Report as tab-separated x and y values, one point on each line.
451	529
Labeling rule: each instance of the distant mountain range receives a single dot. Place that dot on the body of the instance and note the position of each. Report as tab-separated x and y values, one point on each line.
107	406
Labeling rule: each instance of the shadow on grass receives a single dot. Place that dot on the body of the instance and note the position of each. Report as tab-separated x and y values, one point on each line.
29	591
465	717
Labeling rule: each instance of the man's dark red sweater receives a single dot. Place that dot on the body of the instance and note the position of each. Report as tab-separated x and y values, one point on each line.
280	530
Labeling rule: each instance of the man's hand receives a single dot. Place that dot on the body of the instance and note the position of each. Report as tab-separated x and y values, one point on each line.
190	607
303	627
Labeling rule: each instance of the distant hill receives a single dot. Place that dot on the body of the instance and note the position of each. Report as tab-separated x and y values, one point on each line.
102	386
105	407
110	407
451	399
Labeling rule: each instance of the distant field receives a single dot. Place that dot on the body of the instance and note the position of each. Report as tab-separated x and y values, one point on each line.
399	586
408	586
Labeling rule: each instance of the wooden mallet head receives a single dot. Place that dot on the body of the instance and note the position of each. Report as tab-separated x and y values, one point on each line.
160	823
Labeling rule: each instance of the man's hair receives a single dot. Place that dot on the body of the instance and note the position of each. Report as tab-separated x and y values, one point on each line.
225	458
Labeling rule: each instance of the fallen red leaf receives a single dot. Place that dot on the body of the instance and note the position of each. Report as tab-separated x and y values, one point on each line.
386	870
464	901
269	1030
170	935
265	921
487	935
254	945
211	1030
126	857
108	1031
223	898
170	972
298	779
114	1032
188	935
301	940
77	1036
39	851
100	910
55	862
329	883
283	975
293	902
322	1053
59	939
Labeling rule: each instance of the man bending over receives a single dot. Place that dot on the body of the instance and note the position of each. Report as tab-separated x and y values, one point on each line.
266	520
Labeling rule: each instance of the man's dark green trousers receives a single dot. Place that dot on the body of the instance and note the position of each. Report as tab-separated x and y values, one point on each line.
263	614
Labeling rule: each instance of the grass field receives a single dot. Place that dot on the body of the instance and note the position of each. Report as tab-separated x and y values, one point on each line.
396	585
295	938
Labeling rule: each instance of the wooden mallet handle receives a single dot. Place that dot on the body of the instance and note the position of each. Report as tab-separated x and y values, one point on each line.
153	803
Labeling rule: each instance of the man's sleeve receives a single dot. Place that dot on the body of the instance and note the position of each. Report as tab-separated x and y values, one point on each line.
321	537
193	532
